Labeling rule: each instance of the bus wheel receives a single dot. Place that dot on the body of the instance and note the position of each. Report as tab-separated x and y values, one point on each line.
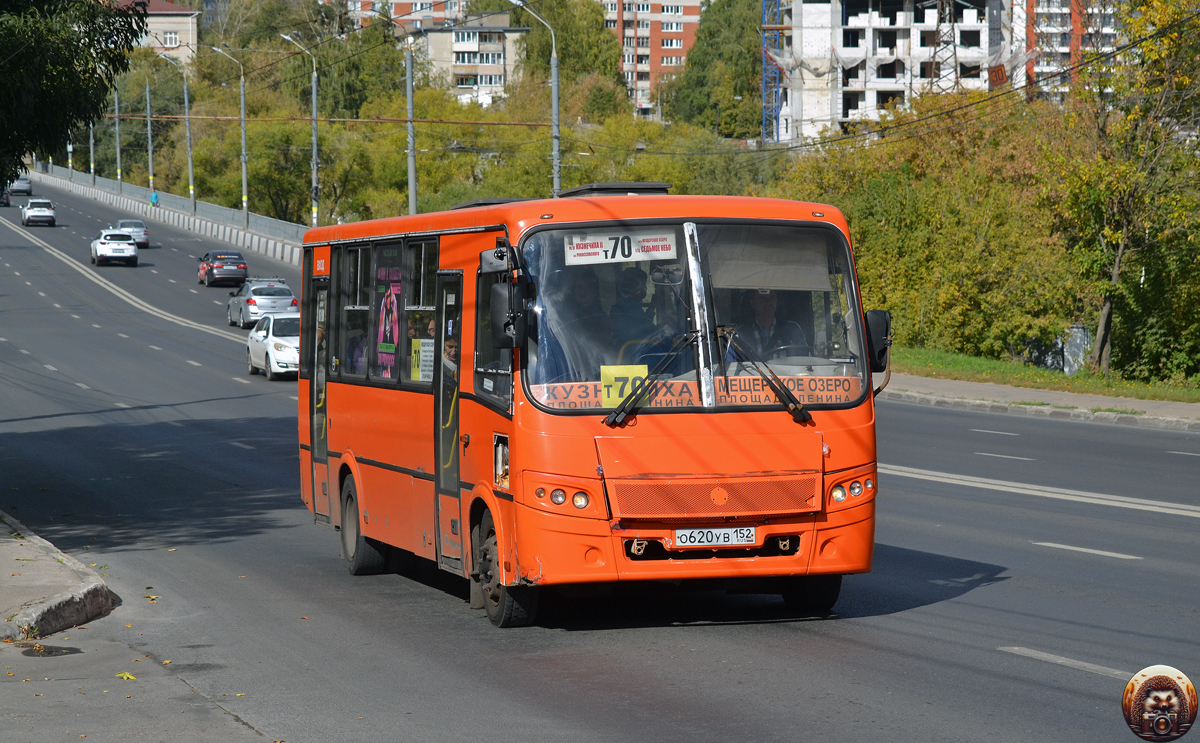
506	606
812	594
363	555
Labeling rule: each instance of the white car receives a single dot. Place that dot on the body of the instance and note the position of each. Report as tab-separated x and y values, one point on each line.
113	245
137	230
37	211
274	345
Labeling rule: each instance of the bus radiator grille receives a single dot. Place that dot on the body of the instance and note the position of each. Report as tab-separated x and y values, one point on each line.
724	497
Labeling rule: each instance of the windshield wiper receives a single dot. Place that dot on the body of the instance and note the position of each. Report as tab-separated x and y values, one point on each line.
629	404
772	380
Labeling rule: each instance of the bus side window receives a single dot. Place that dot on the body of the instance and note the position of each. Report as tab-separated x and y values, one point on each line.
387	302
420	287
493	366
309	323
355	311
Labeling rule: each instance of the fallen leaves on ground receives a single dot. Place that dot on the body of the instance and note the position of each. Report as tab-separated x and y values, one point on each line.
127	676
172	549
166	662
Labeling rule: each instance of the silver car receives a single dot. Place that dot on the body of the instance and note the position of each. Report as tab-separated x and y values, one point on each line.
111	245
22	185
274	345
259	296
38	211
136	229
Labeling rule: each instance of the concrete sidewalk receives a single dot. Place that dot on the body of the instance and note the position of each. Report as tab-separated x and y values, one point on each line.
997	398
43	590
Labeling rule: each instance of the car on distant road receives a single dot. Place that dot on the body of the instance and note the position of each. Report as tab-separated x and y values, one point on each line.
4	199
38	211
221	265
21	185
273	345
113	245
259	296
137	230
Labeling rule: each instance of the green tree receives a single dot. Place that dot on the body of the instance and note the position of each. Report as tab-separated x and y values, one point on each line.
720	88
70	53
585	46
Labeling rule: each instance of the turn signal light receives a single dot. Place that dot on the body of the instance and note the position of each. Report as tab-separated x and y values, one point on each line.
540	492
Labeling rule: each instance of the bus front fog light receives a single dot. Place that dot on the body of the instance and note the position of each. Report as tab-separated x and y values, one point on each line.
580	500
558	496
838	493
870	484
856	488
540	492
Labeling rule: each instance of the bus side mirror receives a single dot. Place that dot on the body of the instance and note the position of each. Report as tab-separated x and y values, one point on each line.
879	338
495	260
508	315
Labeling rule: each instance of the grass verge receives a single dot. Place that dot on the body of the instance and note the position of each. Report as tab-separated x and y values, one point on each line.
944	365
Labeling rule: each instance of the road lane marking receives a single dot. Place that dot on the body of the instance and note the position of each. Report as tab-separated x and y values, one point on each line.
1185	453
122	335
77	317
173	281
41	294
3	340
24	351
116	290
153	271
240	445
1041	491
294	398
156	348
81	385
193	291
239	379
1102	553
121	405
215	302
1004	456
94	325
51	368
16	273
56	304
194	363
1069	662
28	283
998	433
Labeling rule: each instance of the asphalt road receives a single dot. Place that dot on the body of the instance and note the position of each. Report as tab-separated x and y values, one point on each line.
996	611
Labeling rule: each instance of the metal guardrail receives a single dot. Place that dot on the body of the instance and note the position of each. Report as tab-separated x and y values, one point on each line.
275	229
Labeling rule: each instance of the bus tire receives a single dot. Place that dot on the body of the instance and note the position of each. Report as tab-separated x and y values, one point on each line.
363	555
506	606
812	594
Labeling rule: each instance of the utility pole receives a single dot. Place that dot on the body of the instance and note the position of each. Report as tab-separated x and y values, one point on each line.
92	153
117	123
556	164
412	134
187	124
316	189
71	159
149	138
245	187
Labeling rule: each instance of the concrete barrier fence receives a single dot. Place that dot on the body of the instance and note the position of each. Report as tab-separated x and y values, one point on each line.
267	236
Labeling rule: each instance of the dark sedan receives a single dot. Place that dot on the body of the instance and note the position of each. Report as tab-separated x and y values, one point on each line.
221	266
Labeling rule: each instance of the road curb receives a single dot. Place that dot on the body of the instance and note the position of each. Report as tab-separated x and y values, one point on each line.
1042	411
85	602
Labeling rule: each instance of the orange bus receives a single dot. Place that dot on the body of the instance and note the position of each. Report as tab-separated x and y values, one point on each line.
614	385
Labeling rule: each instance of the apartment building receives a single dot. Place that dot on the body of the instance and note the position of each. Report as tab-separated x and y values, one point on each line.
1055	34
655	39
845	61
478	55
170	29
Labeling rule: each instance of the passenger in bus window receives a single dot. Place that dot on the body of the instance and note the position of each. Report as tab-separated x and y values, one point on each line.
576	336
765	334
628	313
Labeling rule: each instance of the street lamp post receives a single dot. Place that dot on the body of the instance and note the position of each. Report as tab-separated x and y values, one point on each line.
187	124
412	134
245	188
117	124
149	138
315	183
92	153
554	132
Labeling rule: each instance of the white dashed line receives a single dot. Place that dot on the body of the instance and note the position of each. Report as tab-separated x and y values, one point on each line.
51	368
121	405
194	363
3	340
193	291
56	304
16	273
41	294
1069	662
173	281
22	350
1102	553
175	250
77	317
239	379
82	386
94	325
998	433
153	271
1004	456
215	302
240	445
122	335
294	398
1185	453
156	348
28	283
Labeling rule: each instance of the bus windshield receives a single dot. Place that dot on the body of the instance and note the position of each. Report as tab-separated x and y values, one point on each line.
612	300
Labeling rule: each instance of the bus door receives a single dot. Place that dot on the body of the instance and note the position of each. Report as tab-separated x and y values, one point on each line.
319	403
446	371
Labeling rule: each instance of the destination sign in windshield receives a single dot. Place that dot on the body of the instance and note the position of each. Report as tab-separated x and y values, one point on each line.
619	246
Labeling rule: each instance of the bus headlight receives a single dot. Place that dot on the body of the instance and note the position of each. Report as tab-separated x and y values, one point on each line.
838	493
558	496
580	500
856	488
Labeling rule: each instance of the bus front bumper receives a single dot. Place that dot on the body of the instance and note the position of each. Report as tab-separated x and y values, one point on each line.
553	549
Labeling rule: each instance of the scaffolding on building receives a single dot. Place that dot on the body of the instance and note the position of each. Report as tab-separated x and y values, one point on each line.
772	77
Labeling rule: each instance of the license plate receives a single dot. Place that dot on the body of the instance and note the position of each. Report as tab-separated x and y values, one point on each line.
737	535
